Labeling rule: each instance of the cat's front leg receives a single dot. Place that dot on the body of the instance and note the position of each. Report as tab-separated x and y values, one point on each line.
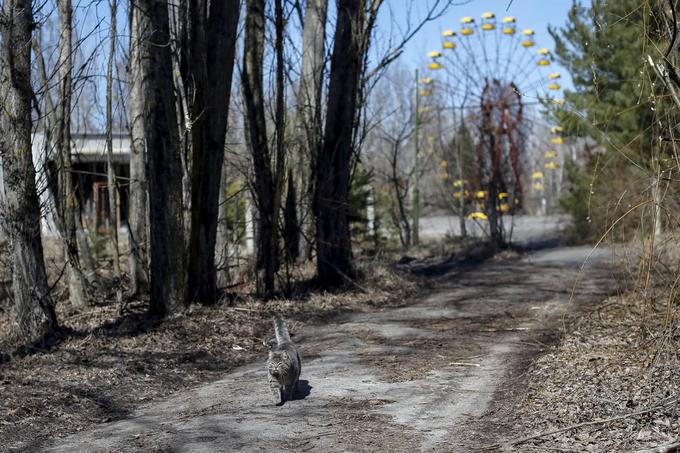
275	390
288	392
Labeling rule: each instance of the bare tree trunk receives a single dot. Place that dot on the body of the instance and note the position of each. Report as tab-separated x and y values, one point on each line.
139	277
401	217
21	209
309	127
213	44
250	227
66	200
222	240
168	262
657	199
494	188
291	232
265	181
85	251
333	243
180	26
111	177
280	124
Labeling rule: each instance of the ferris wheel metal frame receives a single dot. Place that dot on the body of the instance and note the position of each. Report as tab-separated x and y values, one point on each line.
492	69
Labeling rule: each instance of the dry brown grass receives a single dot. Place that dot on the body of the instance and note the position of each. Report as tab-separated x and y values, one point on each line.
619	358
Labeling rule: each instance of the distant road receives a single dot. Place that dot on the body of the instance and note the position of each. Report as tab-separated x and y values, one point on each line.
526	228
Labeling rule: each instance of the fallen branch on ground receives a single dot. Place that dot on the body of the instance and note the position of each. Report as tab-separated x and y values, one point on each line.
509	329
579	425
666	448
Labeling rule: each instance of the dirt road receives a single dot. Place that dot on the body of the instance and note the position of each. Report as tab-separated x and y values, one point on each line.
417	378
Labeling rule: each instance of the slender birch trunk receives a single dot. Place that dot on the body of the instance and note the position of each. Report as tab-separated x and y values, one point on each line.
67	204
139	201
309	128
111	177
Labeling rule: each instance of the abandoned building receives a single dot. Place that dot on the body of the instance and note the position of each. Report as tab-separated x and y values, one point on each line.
89	158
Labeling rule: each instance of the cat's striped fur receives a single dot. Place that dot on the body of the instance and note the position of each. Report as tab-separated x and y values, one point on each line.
283	365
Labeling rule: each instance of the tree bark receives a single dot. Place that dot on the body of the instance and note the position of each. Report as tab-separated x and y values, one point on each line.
333	243
291	232
212	36
168	262
309	124
138	237
222	240
280	124
85	251
111	177
66	200
21	209
266	182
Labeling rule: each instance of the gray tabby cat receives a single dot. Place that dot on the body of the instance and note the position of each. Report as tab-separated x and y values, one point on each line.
283	364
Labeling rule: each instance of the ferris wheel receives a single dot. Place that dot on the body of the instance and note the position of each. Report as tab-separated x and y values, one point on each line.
487	50
497	76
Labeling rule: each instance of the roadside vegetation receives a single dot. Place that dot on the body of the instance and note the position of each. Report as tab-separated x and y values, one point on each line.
611	383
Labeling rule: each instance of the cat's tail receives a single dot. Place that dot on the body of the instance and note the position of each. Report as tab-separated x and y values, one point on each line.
281	331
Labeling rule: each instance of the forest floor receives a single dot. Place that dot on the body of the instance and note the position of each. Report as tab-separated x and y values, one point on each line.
104	365
461	354
449	370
